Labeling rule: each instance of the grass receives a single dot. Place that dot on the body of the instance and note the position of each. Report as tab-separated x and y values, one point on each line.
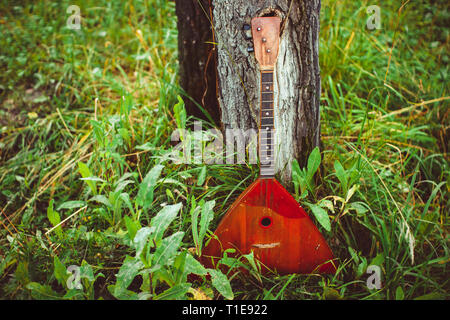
86	117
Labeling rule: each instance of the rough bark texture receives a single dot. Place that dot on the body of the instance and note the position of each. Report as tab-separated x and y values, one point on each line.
297	85
197	58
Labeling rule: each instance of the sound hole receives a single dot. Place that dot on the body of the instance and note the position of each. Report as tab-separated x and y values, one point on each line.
265	222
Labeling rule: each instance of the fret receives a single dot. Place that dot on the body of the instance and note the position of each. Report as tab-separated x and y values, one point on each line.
266	133
267	127
267	121
264	152
264	137
267	76
267	163
265	97
263	147
267	87
267	113
267	155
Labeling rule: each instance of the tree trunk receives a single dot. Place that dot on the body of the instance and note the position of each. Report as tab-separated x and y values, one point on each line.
197	58
297	74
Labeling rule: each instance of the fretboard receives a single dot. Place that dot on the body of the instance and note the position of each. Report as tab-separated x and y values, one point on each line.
267	128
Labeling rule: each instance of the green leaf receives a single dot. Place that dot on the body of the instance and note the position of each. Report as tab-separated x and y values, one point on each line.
221	283
362	267
351	192
73	293
205	219
6	262
71	205
353	254
86	173
132	227
432	296
201	177
321	216
52	215
127	272
314	160
194	266
99	132
331	294
145	194
141	238
163	219
146	146
378	260
194	222
299	180
295	168
102	199
177	292
40	99
122	184
359	207
295	174
167	249
342	177
122	294
54	218
232	263
327	204
41	292
21	273
96	179
180	114
207	214
253	263
170	195
125	134
125	197
146	286
87	272
60	272
399	294
178	267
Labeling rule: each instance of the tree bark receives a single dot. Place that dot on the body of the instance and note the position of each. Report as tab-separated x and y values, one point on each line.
297	74
197	58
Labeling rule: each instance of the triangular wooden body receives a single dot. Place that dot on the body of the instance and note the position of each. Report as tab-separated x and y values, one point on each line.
267	220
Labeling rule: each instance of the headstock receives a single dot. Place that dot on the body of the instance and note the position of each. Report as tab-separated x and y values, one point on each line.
266	39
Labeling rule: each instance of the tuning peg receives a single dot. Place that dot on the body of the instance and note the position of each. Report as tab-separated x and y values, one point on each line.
247	31
250	49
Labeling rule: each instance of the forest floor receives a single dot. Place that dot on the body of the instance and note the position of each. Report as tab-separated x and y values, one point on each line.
86	118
